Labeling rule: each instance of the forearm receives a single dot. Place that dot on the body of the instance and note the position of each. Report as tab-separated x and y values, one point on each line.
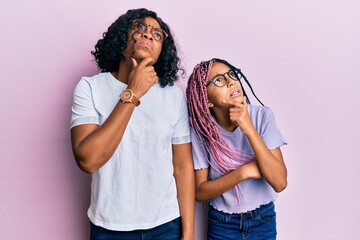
93	150
213	188
186	195
270	163
185	183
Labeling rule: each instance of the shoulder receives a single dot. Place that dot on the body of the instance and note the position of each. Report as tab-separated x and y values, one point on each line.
256	110
98	82
173	89
100	77
172	92
261	115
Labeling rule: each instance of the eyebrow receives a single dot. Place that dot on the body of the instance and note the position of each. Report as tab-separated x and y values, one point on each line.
223	73
152	25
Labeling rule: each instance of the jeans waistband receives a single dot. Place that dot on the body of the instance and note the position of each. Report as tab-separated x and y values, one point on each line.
247	214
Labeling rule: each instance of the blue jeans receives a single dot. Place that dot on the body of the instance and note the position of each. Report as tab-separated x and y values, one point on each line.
258	224
167	231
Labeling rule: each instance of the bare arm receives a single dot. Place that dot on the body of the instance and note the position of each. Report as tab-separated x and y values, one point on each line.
94	145
184	176
271	163
207	189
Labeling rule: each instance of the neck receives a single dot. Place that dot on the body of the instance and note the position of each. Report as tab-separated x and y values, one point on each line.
122	74
222	118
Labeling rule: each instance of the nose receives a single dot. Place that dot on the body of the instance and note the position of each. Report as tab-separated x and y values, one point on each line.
230	81
147	34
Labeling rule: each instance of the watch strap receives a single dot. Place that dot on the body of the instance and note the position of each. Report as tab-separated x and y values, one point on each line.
135	100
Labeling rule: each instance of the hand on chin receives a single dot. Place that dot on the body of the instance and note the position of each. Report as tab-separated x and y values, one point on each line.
140	55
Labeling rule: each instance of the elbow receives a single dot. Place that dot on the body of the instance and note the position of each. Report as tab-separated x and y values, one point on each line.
199	196
86	165
280	186
87	168
88	162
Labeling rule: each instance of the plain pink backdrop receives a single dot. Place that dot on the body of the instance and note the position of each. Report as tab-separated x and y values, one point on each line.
302	57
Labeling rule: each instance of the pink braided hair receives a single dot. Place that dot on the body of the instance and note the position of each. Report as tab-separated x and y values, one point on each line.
206	130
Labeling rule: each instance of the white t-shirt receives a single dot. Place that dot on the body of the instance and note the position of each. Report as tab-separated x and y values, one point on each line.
136	188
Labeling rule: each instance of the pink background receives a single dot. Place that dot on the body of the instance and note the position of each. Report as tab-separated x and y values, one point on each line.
302	57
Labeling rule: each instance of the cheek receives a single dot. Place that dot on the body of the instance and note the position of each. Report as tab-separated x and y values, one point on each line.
216	97
131	36
128	49
158	51
213	97
129	45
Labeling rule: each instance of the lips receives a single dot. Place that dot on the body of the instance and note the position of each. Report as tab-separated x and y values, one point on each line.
235	92
146	44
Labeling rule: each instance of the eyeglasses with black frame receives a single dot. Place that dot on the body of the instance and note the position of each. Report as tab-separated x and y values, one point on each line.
220	80
140	26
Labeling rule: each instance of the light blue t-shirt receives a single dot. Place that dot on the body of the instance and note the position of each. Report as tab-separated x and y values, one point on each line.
136	188
254	192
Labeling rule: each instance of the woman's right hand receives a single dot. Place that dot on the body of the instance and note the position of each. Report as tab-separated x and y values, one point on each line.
142	76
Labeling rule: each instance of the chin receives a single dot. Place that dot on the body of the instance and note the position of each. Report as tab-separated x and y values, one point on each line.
141	55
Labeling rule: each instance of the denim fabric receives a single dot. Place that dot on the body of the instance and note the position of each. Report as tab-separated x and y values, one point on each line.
258	224
167	231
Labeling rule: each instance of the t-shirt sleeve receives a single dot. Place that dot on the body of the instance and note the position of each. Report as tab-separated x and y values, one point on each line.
270	132
83	110
200	161
182	128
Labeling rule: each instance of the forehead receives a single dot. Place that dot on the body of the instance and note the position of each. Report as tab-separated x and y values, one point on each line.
218	68
151	21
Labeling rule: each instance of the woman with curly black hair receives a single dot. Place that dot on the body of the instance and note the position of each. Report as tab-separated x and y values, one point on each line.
109	50
130	130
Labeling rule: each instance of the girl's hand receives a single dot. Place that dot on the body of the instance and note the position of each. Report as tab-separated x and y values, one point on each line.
250	170
238	113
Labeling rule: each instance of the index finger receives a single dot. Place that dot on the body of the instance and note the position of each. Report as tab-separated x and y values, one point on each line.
233	102
146	61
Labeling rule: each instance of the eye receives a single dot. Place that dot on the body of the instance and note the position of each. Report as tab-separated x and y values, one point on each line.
157	35
139	26
135	25
232	74
218	81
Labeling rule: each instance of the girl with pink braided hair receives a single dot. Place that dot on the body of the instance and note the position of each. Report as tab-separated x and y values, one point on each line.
239	168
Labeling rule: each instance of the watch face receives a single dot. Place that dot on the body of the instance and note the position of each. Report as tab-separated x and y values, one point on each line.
127	95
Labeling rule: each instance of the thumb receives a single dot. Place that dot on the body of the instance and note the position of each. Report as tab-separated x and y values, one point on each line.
134	62
245	102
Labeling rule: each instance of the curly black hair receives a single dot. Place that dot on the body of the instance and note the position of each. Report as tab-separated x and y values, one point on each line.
109	50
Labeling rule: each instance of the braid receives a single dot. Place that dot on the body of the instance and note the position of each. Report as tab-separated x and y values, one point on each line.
206	130
211	141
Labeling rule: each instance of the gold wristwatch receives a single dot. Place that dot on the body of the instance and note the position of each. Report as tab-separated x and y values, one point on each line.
127	96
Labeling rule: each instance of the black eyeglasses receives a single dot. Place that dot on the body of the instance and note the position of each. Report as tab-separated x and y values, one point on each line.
220	80
140	26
